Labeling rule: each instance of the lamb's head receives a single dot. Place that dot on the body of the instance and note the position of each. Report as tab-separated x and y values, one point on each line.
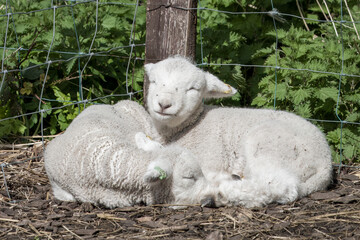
177	88
178	172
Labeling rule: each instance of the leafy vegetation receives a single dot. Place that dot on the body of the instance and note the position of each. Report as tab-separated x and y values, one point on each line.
75	24
304	67
282	64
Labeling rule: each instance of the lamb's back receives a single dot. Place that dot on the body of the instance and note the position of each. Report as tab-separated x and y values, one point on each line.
225	131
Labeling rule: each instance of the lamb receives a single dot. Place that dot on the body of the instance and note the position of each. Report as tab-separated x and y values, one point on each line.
106	158
274	156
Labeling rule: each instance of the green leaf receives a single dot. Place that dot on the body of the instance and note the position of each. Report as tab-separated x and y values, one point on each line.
281	91
61	96
33	120
300	95
349	151
259	101
27	89
334	136
47	108
109	22
353	117
304	110
70	64
62	122
326	92
12	126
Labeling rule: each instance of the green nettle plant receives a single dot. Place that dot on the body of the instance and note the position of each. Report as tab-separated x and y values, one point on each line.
313	92
104	74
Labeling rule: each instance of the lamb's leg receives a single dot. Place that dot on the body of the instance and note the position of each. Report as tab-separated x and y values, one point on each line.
61	194
145	143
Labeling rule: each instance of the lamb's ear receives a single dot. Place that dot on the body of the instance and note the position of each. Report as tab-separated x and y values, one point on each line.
148	68
215	88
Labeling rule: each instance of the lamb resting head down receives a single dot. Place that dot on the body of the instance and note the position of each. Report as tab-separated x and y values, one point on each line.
237	140
184	175
105	158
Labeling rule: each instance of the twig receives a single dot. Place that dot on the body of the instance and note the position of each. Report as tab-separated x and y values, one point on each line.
326	235
17	146
347	7
37	136
32	45
231	218
327	8
68	78
34	229
47	234
302	16
13	53
172	228
39	98
322	10
8	220
72	232
109	217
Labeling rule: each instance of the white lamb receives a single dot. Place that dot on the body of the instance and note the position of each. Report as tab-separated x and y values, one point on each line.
105	158
276	156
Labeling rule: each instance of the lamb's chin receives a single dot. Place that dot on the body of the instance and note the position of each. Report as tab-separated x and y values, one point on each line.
170	122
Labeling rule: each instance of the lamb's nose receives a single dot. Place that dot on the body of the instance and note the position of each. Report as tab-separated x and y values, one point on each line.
208	201
164	106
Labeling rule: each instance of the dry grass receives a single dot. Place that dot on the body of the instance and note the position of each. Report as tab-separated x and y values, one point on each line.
32	213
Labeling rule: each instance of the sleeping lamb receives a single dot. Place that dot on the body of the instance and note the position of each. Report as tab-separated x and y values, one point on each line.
105	158
275	156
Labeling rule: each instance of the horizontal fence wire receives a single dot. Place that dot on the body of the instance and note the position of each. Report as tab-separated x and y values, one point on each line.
83	58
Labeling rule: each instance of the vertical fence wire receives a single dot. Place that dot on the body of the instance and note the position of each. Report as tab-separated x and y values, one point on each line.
340	81
79	52
274	12
89	52
132	45
48	57
6	35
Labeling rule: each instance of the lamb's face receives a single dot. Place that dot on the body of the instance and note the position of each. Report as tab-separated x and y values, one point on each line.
189	185
175	91
178	173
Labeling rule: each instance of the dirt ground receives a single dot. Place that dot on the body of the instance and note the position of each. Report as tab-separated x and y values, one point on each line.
32	213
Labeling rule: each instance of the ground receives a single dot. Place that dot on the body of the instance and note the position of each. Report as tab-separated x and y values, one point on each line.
32	212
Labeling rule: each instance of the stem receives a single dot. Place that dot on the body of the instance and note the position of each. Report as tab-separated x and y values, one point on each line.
302	16
322	10
347	7
327	8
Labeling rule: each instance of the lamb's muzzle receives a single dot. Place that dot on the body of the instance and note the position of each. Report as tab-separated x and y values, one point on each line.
208	201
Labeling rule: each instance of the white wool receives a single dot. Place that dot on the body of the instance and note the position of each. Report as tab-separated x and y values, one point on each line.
237	140
106	158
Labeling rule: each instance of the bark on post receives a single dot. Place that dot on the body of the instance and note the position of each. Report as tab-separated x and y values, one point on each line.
170	30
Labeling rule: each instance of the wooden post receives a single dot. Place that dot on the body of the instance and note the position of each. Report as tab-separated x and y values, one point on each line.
170	30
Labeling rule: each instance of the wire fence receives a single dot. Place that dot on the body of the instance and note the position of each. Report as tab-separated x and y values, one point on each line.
78	53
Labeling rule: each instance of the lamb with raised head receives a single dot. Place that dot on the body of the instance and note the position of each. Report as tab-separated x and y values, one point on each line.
276	156
105	158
